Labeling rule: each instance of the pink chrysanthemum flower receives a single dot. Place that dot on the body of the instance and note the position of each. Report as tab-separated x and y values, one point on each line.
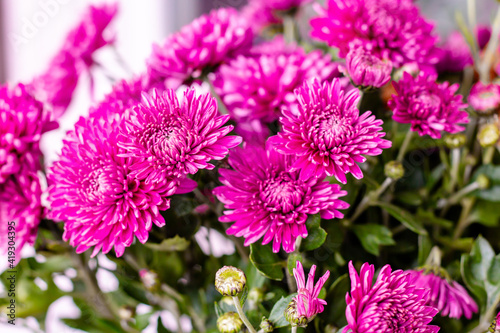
366	70
92	189
89	35
123	96
391	29
393	304
328	134
485	98
172	137
23	120
58	83
497	322
20	209
203	44
257	86
450	298
265	199
428	106
308	303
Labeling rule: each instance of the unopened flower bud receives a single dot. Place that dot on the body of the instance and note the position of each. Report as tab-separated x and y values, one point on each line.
230	281
394	170
149	279
453	141
229	322
126	312
293	317
266	325
495	325
488	135
483	182
470	160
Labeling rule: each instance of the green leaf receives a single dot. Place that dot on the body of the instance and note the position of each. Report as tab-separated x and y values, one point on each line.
428	217
411	198
218	310
292	261
316	235
403	216
424	248
277	316
266	262
372	236
243	296
486	213
481	272
493	173
170	244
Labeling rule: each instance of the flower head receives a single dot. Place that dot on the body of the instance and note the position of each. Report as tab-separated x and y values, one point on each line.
485	98
23	120
428	106
172	137
205	43
229	322
93	190
20	211
265	199
367	70
308	303
259	85
449	297
327	133
393	304
230	281
390	29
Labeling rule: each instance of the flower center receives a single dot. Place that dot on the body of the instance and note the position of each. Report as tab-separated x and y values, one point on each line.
104	181
282	193
426	104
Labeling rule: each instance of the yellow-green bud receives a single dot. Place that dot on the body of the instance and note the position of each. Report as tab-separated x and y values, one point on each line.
229	322
292	315
470	160
394	170
483	182
266	325
488	135
126	312
453	141
230	281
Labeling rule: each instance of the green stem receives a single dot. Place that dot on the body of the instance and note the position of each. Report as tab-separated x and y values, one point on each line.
488	155
294	329
455	165
370	197
443	203
289	28
463	221
243	317
404	146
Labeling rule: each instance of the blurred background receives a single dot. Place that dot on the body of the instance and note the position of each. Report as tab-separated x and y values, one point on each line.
32	31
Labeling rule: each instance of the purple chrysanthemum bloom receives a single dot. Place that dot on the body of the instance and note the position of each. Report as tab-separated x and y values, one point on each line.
23	120
172	137
265	199
390	29
367	70
203	44
428	106
307	301
93	190
393	304
257	86
327	133
58	83
450	298
485	98
20	211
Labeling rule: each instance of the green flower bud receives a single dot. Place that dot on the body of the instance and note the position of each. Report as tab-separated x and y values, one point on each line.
230	281
470	160
453	141
266	325
483	182
229	322
394	170
488	135
292	315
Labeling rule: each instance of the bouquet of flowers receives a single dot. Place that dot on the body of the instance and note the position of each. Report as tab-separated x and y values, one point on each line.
343	139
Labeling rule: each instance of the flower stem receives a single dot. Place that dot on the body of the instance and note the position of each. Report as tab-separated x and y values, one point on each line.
372	196
443	203
294	329
289	28
488	155
463	220
404	146
455	164
242	315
